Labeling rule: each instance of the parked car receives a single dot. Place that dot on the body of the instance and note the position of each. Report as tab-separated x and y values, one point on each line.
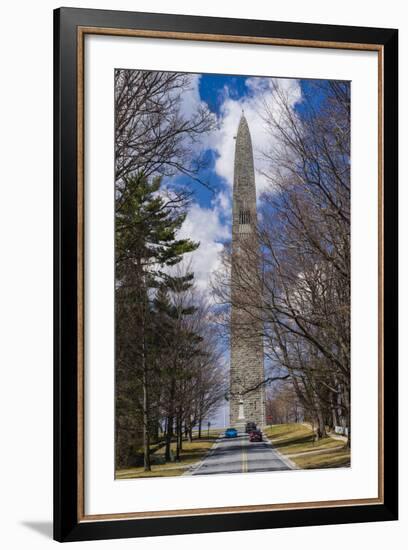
231	432
250	427
255	436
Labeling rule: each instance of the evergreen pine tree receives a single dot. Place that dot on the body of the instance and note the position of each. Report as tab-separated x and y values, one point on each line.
146	229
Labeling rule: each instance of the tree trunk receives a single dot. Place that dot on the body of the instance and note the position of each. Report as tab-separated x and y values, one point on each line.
169	435
146	434
170	421
334	417
349	433
181	436
348	416
178	438
321	428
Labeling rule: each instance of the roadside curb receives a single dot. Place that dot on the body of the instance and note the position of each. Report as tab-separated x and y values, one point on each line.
197	465
291	465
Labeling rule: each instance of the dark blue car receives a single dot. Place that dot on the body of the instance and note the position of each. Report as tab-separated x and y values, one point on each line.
231	432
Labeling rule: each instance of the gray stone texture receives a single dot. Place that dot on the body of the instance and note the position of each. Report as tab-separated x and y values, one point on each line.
247	356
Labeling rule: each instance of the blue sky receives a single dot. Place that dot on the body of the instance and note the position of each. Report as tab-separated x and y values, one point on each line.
209	217
214	90
227	96
221	91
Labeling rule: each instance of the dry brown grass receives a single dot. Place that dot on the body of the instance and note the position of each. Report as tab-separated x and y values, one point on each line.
191	453
296	441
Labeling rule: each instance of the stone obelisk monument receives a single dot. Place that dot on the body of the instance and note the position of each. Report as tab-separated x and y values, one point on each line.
247	402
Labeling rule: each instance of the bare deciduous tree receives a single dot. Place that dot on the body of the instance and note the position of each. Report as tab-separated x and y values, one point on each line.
303	256
152	135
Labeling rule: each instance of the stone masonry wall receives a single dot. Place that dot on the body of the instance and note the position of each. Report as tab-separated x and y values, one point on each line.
247	357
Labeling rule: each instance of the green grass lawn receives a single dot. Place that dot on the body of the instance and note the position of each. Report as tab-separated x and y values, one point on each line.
191	453
296	441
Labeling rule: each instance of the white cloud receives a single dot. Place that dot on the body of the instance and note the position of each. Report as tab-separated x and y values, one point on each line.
190	104
260	92
190	99
211	226
206	226
224	201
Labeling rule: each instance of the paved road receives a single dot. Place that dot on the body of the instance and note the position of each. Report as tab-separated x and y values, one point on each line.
235	455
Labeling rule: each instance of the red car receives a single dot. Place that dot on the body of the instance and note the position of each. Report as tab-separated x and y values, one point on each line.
255	436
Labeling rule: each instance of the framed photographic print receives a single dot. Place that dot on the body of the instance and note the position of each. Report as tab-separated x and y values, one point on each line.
225	274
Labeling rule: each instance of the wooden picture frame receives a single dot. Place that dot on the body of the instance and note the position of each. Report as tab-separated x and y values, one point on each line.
70	28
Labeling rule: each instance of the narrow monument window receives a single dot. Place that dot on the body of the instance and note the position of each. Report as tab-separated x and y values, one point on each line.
244	217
